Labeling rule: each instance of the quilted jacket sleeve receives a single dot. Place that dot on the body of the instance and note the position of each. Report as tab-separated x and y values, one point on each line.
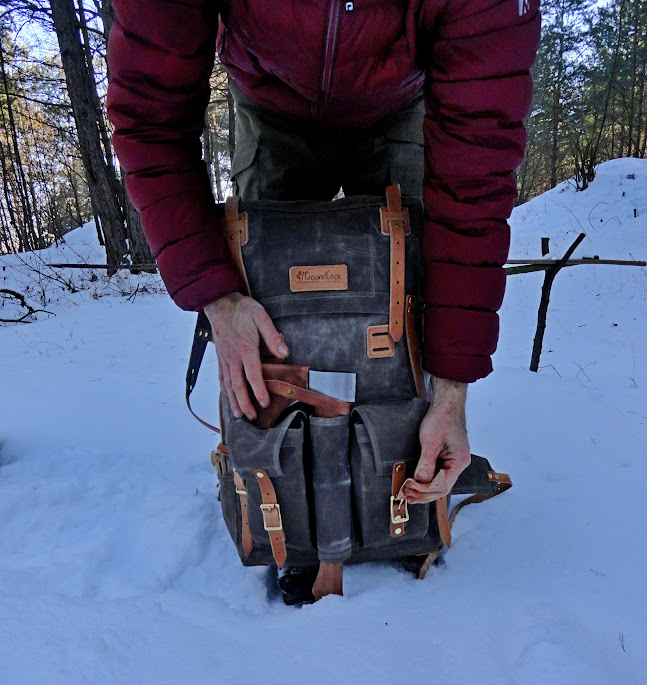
161	54
478	92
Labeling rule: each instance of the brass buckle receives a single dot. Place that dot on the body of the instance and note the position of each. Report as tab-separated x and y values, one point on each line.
268	508
241	492
397	518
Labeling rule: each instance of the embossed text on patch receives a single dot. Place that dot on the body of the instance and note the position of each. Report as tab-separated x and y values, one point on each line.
329	277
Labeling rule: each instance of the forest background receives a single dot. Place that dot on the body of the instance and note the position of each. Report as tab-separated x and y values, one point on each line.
59	169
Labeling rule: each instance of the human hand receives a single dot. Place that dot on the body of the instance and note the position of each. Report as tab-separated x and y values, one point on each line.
445	450
238	323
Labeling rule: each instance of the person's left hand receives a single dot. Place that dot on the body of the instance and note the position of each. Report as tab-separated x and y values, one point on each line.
445	451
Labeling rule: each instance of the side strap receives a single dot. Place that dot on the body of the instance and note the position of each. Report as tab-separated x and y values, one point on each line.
398	508
412	347
241	491
272	517
502	481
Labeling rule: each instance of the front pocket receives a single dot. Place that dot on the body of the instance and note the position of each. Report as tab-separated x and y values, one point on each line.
279	452
383	435
332	488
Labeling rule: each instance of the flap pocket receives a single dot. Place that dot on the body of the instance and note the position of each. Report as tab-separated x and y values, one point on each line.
252	448
392	429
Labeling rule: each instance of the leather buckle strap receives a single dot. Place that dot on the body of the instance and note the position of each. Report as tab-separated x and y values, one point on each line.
395	222
241	491
272	521
269	511
399	511
398	508
236	233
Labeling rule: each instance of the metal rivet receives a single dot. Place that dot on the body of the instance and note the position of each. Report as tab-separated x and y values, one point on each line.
259	474
289	391
398	467
398	531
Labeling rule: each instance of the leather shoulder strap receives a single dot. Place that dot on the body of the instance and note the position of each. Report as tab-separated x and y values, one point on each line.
201	337
500	482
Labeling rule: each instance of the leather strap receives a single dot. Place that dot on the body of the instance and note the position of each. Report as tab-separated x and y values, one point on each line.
325	406
241	491
236	234
443	524
201	337
290	373
502	483
399	511
271	512
395	222
219	459
412	347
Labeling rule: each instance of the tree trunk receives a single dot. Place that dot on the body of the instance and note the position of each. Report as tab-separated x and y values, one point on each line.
633	80
19	172
140	250
100	185
232	123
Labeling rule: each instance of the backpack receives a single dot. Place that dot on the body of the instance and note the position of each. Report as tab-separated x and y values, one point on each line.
315	479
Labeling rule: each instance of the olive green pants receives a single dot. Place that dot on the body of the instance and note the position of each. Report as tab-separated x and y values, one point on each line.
279	158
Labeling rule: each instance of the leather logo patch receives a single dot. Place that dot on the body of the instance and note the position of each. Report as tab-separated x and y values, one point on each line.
330	277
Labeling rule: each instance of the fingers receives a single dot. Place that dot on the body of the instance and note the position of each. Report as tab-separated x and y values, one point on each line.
273	339
239	390
225	385
254	373
426	468
423	493
232	383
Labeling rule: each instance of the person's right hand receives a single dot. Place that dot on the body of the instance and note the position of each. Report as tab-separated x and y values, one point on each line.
238	323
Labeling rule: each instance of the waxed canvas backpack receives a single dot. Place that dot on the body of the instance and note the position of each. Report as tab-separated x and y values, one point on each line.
315	479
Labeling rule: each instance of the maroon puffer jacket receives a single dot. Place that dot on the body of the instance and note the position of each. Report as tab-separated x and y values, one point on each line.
345	65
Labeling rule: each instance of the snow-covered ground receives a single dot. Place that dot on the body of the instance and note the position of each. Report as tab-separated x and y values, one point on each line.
115	565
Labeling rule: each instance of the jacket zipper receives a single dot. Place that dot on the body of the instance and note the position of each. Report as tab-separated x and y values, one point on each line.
332	28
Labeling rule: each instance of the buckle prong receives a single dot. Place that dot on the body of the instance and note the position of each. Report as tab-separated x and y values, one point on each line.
399	518
268	508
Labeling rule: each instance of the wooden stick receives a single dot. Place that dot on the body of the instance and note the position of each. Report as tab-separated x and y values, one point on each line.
134	267
583	260
543	304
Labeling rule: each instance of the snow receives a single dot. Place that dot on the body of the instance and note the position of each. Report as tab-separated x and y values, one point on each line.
115	564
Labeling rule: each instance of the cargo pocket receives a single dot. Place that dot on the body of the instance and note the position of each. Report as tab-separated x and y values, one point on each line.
383	435
279	452
332	487
245	176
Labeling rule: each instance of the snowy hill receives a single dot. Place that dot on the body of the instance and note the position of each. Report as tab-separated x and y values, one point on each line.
115	565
